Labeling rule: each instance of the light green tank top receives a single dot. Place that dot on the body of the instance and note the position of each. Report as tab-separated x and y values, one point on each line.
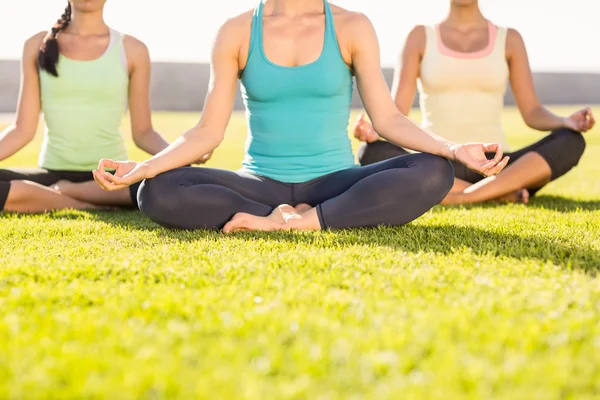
83	109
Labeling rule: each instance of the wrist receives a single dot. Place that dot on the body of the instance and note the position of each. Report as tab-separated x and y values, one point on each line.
563	122
450	150
150	169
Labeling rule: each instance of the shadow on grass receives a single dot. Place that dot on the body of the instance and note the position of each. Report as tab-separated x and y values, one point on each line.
547	202
563	204
440	239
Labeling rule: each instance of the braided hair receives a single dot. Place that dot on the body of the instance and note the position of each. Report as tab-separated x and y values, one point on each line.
48	57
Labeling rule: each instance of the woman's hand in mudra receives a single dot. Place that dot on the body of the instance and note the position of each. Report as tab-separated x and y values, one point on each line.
473	155
126	174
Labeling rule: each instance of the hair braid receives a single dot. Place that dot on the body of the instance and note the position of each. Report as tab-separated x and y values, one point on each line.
48	57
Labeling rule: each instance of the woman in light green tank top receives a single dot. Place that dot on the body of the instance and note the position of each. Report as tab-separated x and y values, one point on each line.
81	75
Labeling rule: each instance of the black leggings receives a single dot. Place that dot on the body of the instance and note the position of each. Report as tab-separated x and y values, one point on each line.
47	178
393	192
562	150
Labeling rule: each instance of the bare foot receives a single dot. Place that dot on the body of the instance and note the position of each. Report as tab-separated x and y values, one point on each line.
277	220
520	196
62	186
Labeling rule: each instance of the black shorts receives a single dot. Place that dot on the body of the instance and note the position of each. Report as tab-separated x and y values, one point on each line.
47	177
562	149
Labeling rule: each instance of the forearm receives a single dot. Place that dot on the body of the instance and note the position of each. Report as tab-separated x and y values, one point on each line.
11	141
186	150
541	119
402	132
151	142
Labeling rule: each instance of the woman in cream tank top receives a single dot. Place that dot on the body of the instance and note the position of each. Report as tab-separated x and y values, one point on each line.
461	68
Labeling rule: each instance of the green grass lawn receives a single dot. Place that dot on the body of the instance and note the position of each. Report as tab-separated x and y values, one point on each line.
481	302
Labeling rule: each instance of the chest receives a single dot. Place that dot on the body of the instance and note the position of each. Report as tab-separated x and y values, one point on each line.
443	73
294	42
83	48
102	81
470	41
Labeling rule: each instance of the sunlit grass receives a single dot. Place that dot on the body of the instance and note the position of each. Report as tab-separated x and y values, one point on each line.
475	302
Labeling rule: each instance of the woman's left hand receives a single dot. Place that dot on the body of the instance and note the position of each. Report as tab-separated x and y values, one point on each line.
473	155
582	121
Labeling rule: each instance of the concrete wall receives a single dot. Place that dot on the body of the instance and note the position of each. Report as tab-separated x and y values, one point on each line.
182	87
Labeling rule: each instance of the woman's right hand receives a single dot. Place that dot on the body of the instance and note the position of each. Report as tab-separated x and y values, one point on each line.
126	174
363	130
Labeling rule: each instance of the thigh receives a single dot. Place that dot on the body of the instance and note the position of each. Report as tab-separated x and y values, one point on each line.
253	187
37	175
332	185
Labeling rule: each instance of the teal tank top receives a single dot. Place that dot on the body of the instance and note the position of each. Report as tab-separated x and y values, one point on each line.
297	117
83	109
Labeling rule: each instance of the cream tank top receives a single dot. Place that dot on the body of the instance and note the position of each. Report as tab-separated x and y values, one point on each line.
462	94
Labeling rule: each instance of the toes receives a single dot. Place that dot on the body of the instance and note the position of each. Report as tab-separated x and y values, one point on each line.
236	223
525	196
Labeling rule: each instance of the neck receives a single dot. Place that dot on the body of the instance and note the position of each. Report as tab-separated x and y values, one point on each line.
294	7
465	16
87	23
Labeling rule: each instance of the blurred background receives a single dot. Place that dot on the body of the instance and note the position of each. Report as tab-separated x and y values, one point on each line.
563	40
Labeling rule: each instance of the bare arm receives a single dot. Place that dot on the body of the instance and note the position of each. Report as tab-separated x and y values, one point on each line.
18	135
407	71
534	114
387	120
404	85
144	135
201	139
391	124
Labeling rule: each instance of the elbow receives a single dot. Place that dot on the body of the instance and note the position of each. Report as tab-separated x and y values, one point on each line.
212	137
530	117
529	122
217	139
25	136
139	137
404	110
388	122
28	137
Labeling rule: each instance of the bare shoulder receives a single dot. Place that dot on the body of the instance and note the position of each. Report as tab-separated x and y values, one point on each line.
32	45
514	43
417	35
236	26
135	47
416	40
514	38
350	20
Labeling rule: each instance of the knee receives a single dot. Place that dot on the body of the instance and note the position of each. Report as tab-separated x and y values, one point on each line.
570	143
439	177
157	197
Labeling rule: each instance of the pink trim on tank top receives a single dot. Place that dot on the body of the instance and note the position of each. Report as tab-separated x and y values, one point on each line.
492	35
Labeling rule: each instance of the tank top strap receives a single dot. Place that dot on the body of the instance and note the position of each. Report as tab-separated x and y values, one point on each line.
329	26
117	47
256	29
331	44
501	35
431	40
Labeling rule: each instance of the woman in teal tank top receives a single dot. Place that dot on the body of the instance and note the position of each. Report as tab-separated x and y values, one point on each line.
296	61
81	74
